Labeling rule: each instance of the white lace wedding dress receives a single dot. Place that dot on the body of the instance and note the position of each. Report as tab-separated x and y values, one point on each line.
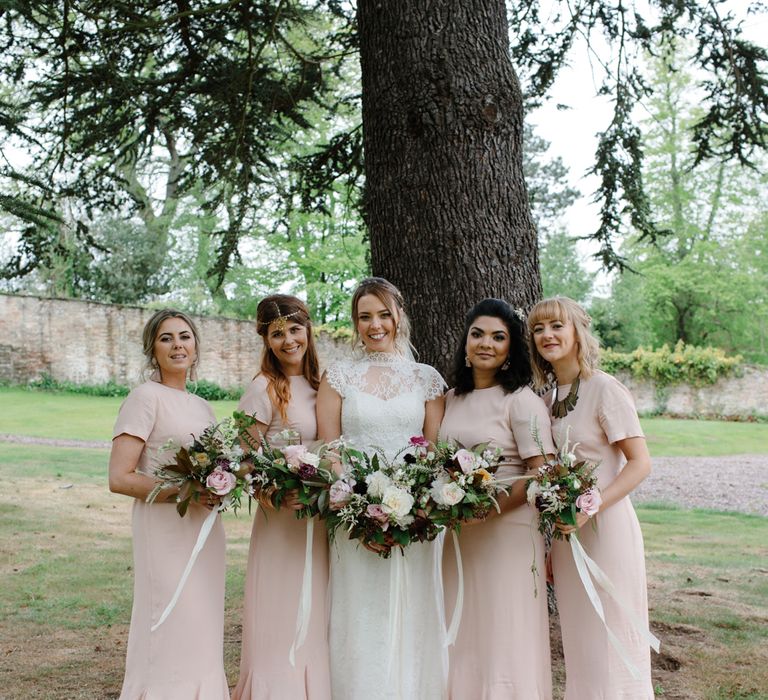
386	627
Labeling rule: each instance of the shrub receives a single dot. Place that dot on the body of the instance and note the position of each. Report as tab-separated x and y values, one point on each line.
213	392
48	383
682	364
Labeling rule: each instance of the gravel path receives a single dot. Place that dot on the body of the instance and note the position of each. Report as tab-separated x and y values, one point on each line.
737	483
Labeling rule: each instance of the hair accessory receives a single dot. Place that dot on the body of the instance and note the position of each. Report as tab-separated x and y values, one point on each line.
280	319
561	407
520	313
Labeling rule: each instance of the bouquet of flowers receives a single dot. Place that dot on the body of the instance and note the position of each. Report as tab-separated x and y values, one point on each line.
214	462
464	486
378	501
293	467
562	487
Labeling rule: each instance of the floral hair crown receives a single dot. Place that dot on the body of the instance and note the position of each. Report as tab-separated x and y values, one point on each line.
520	313
281	319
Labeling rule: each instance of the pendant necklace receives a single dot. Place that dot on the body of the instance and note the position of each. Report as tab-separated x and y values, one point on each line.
561	407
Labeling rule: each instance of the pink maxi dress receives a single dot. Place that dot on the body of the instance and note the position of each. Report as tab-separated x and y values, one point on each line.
604	414
274	577
502	648
184	658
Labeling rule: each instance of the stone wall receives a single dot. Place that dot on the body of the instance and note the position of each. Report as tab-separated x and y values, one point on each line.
91	343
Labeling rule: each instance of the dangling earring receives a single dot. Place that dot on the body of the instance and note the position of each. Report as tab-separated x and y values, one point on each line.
467	363
505	366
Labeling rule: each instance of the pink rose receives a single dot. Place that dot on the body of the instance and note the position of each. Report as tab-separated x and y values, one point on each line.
466	460
419	441
294	454
589	502
340	494
377	513
221	482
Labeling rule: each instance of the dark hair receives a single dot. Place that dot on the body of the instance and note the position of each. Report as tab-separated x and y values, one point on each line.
290	309
518	373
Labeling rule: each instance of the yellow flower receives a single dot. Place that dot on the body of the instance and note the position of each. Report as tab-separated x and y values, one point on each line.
484	474
202	459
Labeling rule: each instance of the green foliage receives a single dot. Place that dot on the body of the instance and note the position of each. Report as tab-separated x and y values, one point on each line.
213	392
48	383
705	281
681	364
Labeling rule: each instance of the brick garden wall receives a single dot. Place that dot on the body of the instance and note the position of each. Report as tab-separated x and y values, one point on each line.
91	343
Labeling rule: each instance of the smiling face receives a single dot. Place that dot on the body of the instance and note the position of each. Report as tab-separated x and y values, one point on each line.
174	348
288	343
376	324
556	342
487	344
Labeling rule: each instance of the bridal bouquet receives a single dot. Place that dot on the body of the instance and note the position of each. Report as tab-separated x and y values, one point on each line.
562	487
292	467
378	501
464	486
214	462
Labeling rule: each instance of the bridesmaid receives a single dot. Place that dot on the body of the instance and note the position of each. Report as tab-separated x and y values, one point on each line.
604	428
502	648
282	396
184	657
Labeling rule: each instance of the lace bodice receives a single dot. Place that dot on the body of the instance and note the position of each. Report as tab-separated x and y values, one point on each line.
383	398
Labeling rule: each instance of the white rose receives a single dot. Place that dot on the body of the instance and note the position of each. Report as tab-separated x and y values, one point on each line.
310	458
377	482
446	492
397	501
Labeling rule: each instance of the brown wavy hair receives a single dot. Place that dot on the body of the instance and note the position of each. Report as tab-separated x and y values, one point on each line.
563	309
278	384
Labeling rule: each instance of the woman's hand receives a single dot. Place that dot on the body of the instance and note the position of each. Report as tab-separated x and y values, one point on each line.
292	501
581	520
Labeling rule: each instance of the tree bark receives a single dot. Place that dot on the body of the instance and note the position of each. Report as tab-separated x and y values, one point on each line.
445	201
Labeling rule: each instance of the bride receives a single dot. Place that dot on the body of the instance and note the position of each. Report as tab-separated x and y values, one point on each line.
386	624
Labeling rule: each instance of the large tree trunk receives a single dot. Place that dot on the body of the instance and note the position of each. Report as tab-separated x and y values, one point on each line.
446	204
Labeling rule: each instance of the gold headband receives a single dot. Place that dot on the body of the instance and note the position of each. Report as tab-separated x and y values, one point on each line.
280	319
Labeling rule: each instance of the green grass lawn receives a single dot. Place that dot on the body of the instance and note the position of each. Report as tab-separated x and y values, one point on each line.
67	580
76	416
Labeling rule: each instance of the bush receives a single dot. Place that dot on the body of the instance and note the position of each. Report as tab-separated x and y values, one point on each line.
48	383
683	364
213	392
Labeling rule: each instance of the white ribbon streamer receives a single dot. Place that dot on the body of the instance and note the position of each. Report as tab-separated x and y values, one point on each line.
585	565
398	588
202	538
305	597
453	630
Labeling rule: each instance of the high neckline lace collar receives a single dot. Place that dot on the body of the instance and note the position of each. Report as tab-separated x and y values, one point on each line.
384	358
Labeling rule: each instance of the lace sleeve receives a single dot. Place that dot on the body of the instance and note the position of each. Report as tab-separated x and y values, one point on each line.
337	378
432	381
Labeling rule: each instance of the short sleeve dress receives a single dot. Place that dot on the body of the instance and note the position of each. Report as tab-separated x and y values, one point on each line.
274	577
184	657
604	414
502	646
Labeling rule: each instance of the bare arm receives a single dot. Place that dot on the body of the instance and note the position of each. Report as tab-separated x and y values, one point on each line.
123	477
433	416
637	468
328	412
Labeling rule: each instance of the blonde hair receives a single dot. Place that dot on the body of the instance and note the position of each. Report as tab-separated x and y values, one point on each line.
563	309
391	297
